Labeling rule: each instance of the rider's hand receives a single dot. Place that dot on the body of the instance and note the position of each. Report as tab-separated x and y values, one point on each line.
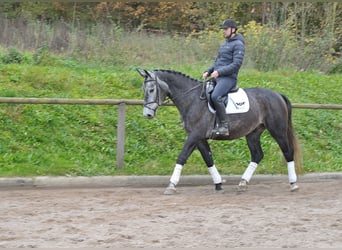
205	75
215	74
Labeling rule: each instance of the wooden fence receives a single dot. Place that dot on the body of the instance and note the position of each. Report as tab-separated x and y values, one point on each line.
120	144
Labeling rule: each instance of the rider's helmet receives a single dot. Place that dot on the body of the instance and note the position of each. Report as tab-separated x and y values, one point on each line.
229	23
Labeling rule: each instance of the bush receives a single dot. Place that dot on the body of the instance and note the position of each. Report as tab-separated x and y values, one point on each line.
337	68
42	56
269	49
13	56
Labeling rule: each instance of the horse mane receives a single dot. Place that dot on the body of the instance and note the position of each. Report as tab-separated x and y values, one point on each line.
169	71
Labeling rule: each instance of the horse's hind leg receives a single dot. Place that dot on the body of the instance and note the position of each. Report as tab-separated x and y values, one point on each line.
288	151
204	148
254	145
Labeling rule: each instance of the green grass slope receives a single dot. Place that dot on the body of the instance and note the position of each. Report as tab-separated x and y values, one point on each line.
81	139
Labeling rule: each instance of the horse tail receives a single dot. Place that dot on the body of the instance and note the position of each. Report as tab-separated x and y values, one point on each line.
293	139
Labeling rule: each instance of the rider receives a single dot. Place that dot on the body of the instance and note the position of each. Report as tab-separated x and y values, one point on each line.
225	70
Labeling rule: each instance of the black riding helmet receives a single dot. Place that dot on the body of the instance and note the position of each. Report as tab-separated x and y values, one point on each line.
229	23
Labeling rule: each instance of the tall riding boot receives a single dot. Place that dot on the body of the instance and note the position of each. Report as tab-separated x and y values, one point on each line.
221	116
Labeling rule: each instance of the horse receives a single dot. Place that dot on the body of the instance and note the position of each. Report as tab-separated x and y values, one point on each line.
268	110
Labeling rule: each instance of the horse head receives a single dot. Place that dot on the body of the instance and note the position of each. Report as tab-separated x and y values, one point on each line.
155	92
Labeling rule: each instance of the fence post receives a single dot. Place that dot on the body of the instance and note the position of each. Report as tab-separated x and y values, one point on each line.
120	144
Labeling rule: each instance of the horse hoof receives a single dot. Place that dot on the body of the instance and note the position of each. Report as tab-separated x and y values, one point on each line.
218	187
243	186
220	191
170	191
294	187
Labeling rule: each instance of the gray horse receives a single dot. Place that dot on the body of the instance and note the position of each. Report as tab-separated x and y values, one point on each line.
267	110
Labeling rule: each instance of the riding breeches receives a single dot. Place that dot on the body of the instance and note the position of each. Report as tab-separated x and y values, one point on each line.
222	88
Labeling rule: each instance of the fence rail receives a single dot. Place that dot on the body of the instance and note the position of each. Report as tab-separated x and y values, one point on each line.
120	144
67	101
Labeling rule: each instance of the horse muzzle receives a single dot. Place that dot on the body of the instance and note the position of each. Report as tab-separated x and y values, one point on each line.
149	113
150	110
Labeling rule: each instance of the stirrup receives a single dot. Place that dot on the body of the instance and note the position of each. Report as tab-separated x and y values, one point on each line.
221	131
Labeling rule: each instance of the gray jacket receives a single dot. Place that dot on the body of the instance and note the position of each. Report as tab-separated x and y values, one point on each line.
230	57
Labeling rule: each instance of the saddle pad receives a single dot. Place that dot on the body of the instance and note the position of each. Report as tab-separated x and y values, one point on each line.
237	103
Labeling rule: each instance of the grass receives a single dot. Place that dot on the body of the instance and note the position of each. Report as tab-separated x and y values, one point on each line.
80	140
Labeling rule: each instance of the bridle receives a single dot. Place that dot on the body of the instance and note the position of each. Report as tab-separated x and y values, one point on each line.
156	100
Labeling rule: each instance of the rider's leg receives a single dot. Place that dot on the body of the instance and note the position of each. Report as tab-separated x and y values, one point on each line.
223	86
222	118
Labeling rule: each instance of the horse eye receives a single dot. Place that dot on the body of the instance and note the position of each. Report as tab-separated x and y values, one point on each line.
151	90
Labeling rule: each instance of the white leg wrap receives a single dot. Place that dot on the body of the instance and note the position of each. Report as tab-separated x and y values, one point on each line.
247	175
291	172
176	174
215	175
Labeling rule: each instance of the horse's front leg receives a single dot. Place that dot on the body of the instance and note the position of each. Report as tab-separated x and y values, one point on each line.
204	148
188	148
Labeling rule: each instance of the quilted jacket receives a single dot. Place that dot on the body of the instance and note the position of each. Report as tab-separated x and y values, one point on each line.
230	57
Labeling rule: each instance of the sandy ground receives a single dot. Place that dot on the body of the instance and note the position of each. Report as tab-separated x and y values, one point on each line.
267	215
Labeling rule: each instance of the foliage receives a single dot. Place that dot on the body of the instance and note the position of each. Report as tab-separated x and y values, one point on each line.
34	22
13	56
337	68
267	47
271	49
43	56
307	17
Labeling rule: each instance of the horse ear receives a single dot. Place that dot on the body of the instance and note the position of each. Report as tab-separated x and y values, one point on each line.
145	73
142	72
151	74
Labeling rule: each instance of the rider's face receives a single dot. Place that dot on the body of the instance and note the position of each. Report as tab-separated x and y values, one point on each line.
227	32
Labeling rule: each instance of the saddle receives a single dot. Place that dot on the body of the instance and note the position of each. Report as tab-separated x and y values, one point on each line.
236	101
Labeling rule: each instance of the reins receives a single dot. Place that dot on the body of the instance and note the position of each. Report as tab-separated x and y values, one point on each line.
202	95
185	93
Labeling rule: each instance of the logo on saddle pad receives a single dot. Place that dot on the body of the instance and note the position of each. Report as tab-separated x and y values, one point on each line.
237	102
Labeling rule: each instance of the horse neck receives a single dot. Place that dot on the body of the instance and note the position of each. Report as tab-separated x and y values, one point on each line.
183	89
